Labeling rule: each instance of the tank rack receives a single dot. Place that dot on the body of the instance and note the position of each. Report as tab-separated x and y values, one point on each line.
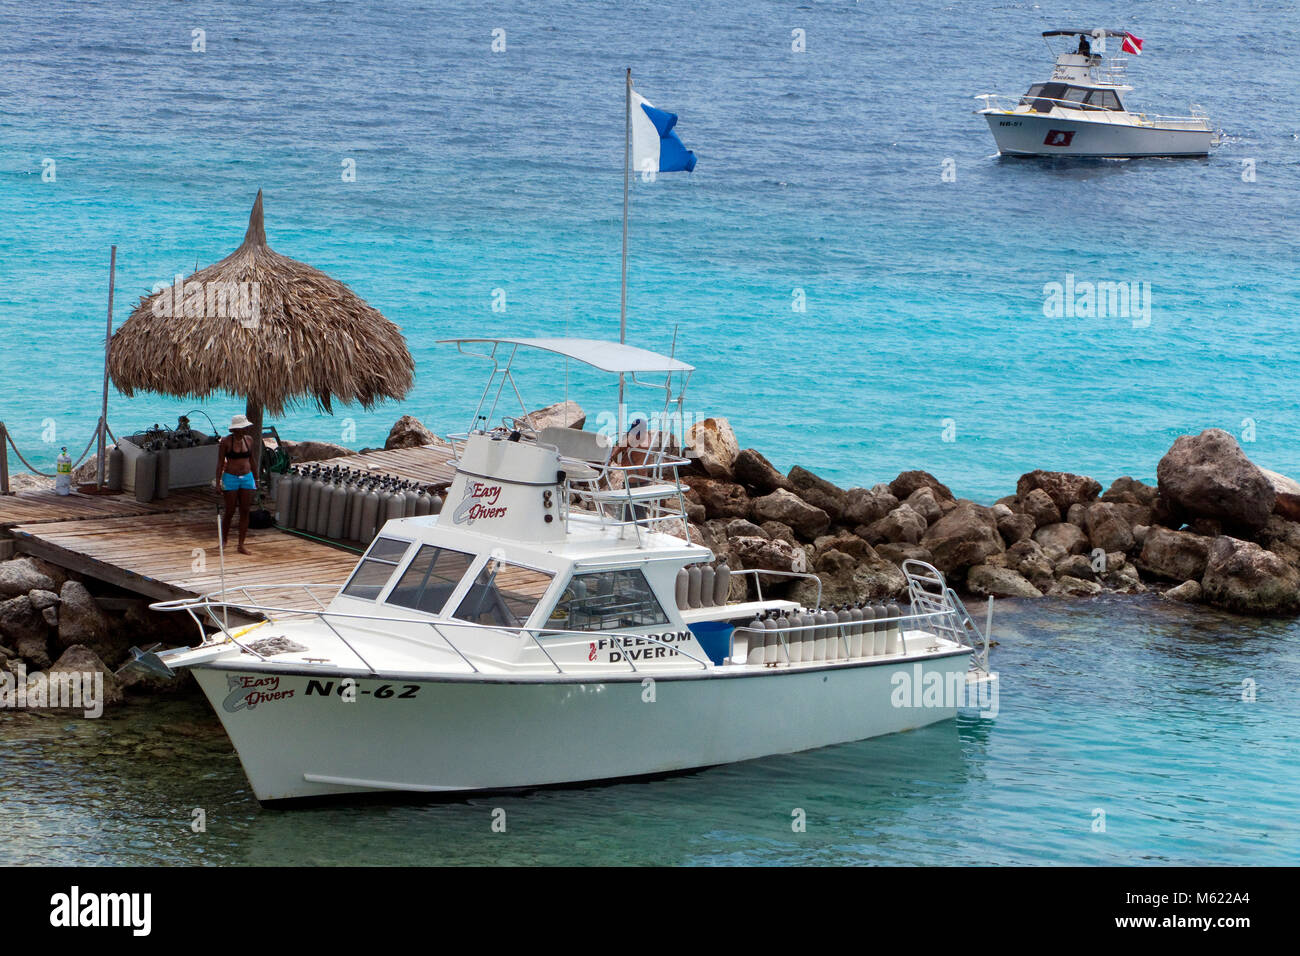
348	504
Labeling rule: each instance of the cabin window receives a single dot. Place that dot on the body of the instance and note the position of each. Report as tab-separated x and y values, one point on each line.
1046	95
503	595
1104	100
429	579
376	568
1031	94
607	601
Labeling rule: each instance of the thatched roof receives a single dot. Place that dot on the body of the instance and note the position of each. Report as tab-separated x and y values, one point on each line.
265	327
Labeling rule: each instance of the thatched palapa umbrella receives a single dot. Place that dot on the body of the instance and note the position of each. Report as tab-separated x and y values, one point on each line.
263	326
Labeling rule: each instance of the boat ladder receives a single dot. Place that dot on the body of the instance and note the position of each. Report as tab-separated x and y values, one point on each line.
930	594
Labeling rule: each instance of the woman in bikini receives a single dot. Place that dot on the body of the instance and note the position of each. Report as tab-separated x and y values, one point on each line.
237	476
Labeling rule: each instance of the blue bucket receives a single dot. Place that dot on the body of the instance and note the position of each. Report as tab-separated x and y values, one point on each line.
714	638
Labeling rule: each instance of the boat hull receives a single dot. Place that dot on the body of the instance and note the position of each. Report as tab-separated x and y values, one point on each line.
1021	134
302	739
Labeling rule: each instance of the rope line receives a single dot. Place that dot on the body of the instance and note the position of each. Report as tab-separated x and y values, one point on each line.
9	437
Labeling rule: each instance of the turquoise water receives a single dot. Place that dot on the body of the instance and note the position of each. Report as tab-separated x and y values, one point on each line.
818	171
1136	712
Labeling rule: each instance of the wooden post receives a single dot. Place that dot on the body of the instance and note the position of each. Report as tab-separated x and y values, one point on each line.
103	409
4	460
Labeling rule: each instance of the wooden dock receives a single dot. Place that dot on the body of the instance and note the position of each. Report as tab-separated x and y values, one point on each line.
168	548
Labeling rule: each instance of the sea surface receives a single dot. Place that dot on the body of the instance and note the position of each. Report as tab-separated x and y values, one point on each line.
487	178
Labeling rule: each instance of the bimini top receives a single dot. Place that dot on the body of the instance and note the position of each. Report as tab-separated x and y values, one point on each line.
606	356
1086	33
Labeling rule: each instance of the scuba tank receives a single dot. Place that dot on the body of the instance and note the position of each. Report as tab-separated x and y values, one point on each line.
423	502
868	631
721	584
318	520
770	641
284	498
412	501
304	500
707	578
832	633
394	504
855	631
845	642
895	635
776	652
63	473
436	507
808	638
681	589
819	636
338	503
354	514
794	640
880	613
693	586
369	515
753	641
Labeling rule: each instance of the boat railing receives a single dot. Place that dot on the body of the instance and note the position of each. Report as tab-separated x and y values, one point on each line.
1198	120
842	633
929	593
242	600
759	573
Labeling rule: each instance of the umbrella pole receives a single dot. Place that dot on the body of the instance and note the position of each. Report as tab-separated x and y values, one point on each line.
108	341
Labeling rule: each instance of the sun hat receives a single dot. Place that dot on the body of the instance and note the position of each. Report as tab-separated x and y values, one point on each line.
238	422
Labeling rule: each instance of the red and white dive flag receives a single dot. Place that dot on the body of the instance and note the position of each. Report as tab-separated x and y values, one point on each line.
1132	44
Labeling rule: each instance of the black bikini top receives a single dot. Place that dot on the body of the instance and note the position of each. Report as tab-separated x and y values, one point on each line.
238	454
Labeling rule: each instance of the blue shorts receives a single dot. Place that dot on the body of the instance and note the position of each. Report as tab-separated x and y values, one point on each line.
231	482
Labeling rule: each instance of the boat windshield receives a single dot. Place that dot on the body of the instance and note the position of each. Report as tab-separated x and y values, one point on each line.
1041	97
368	580
431	577
503	594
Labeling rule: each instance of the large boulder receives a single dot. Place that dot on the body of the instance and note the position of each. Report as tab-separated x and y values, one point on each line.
1067	537
408	432
1282	537
1287	491
567	414
1174	555
863	506
965	536
23	628
1027	558
769	554
1241	576
807	520
755	472
82	661
1108	526
82	621
1128	490
20	575
1016	527
721	499
906	483
985	580
873	579
712	445
924	503
818	492
305	451
1062	487
1038	504
1209	476
903	525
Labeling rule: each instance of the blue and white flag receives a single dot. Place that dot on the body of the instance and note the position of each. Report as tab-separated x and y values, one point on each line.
655	147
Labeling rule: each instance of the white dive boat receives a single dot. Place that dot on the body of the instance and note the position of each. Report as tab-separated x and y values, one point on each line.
544	628
1081	111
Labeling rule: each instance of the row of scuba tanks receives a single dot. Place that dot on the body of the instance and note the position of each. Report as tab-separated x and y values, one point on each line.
345	504
703	585
843	632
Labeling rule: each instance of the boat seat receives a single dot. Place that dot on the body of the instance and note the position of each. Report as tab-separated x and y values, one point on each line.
652	492
573	443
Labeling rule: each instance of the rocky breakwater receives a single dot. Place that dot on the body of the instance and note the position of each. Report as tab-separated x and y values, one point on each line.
51	623
1215	529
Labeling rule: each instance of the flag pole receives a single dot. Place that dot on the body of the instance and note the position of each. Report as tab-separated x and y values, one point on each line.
622	304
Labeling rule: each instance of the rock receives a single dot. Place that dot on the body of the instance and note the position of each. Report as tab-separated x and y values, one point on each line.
1123	578
1287	491
863	506
924	503
1038	504
23	629
1176	555
20	575
1075	587
757	473
1075	515
695	511
1209	476
1075	566
303	451
1241	576
1189	592
898	553
779	530
51	616
559	415
408	432
81	621
843	542
900	526
1063	535
834	561
1130	491
1028	559
712	445
965	536
818	492
81	660
906	483
43	599
873	579
1016	527
744	528
1140	534
984	580
1282	537
1063	488
1107	528
769	554
721	499
806	520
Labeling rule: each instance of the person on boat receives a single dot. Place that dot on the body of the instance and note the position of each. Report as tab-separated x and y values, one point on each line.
237	476
1085	48
634	451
